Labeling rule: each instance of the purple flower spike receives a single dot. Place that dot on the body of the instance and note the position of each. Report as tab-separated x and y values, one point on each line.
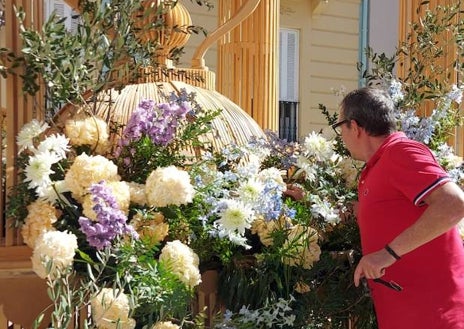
111	221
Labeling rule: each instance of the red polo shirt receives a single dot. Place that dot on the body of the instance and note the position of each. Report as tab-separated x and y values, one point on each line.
391	190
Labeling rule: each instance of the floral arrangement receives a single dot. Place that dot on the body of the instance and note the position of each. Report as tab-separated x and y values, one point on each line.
89	223
126	229
129	227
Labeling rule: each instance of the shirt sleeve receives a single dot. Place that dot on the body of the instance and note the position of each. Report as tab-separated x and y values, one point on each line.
415	171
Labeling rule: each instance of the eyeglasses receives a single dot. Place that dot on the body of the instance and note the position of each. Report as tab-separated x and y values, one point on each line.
337	127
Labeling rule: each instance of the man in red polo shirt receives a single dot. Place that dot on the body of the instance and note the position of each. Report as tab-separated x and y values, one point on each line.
413	255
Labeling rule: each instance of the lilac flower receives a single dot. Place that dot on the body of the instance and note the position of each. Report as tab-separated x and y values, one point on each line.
111	221
158	122
140	121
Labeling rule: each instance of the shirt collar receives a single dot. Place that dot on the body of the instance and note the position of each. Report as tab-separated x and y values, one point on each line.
387	142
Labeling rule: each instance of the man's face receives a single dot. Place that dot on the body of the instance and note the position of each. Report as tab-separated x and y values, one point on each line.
347	134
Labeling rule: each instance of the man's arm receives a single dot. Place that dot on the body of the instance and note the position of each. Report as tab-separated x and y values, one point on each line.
445	210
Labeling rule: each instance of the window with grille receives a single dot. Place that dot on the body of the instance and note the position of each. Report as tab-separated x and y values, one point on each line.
63	10
288	84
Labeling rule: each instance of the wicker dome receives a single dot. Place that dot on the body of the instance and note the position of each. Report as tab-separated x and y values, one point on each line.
232	126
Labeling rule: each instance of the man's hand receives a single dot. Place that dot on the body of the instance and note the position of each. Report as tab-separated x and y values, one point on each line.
372	266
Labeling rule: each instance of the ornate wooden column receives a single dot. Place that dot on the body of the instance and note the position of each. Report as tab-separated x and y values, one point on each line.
16	107
247	63
22	294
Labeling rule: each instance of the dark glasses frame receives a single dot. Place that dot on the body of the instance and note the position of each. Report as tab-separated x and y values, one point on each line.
336	126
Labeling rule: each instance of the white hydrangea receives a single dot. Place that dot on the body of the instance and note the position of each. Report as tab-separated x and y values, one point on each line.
87	170
92	131
165	325
182	261
110	310
137	193
168	186
56	247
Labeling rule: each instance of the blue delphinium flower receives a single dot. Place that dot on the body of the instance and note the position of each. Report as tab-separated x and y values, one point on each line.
111	221
419	129
395	91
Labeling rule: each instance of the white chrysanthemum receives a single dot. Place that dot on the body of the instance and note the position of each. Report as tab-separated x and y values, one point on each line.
272	174
137	193
29	131
92	131
39	169
40	218
182	261
238	239
55	144
250	190
235	217
87	170
318	147
307	167
165	325
168	186
56	247
53	192
324	209
110	310
301	246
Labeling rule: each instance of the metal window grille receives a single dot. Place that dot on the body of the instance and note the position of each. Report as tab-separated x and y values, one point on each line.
288	118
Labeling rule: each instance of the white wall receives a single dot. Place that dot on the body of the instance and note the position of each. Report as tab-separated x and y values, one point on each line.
383	26
207	19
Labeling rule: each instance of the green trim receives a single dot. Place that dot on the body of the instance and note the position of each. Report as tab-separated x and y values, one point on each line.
363	37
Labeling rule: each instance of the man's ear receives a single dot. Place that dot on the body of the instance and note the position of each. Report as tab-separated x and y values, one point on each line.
356	128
